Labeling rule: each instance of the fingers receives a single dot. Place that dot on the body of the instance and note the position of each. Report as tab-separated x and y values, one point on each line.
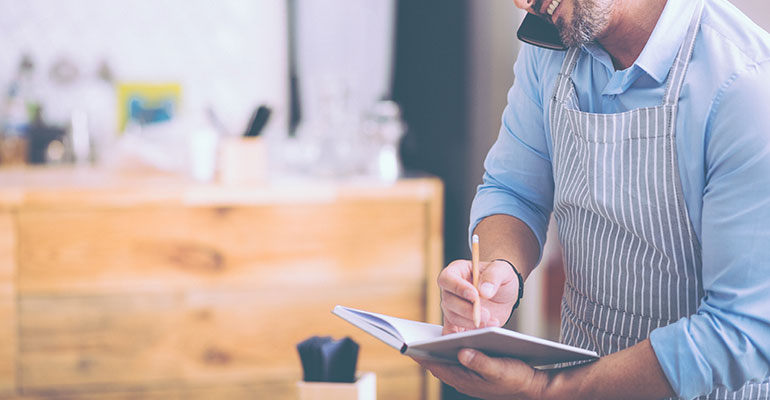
477	361
458	294
488	368
493	276
456	279
452	375
459	312
457	305
450	328
458	320
523	4
454	323
488	377
527	5
500	372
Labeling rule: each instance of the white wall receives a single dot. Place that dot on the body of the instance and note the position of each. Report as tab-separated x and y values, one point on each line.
347	44
757	10
493	50
231	54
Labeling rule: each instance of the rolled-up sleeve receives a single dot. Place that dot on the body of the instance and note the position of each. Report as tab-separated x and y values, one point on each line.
518	180
727	342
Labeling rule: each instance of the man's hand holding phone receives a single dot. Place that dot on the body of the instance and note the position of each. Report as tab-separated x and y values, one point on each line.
535	29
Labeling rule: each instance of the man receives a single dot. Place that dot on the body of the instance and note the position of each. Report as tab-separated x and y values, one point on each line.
649	140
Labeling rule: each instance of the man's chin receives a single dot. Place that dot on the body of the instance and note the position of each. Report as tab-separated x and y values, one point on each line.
573	36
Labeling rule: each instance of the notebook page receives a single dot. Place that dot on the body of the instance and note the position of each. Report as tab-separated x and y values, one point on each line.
409	331
372	325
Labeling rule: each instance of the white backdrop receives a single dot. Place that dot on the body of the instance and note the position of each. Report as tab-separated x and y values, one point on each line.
757	10
230	54
347	42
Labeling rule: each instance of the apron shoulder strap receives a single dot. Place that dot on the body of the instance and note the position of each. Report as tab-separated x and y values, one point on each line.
675	77
563	81
682	61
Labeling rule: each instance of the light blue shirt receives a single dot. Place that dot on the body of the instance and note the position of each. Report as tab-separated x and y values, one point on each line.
723	149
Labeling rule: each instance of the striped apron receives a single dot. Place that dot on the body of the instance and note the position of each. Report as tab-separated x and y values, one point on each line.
632	259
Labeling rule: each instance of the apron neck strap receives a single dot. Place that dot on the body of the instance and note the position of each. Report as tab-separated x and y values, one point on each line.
679	69
675	76
563	81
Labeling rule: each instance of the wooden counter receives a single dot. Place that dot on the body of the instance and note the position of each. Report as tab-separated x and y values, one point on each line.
152	287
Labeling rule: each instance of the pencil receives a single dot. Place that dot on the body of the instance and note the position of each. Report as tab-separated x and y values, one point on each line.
475	261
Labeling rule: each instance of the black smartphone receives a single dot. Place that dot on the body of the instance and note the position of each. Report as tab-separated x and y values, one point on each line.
539	32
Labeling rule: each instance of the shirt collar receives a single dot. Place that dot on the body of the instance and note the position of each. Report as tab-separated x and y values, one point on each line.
661	49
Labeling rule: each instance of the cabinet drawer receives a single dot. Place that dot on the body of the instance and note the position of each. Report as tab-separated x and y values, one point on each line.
7	304
163	297
129	249
122	341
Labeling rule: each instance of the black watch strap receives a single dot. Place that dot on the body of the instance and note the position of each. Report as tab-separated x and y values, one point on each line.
521	287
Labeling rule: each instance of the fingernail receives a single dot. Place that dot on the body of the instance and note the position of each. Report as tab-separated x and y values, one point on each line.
466	356
486	289
469	294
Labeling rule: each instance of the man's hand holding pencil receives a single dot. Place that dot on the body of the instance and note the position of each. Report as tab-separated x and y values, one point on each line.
496	292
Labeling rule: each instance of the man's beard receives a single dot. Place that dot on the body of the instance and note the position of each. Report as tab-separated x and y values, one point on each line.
589	19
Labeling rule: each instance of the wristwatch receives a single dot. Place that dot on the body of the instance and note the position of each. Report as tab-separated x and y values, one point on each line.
521	286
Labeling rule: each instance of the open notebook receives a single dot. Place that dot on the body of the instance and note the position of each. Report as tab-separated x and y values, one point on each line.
421	340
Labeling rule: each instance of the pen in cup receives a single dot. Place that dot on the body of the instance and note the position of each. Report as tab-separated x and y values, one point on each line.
475	261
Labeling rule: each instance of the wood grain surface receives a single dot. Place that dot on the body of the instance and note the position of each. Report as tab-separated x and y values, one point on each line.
117	290
81	343
161	248
7	304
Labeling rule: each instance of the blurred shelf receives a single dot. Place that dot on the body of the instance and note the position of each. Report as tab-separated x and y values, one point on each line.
77	187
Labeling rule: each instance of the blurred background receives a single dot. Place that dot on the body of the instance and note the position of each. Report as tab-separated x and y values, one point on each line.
188	186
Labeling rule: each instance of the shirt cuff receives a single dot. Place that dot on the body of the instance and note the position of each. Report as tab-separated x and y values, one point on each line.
687	370
492	202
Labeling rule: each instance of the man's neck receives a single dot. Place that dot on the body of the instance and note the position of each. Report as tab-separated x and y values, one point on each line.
631	25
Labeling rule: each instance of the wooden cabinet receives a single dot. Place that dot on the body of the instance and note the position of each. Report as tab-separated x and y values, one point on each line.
151	288
8	325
